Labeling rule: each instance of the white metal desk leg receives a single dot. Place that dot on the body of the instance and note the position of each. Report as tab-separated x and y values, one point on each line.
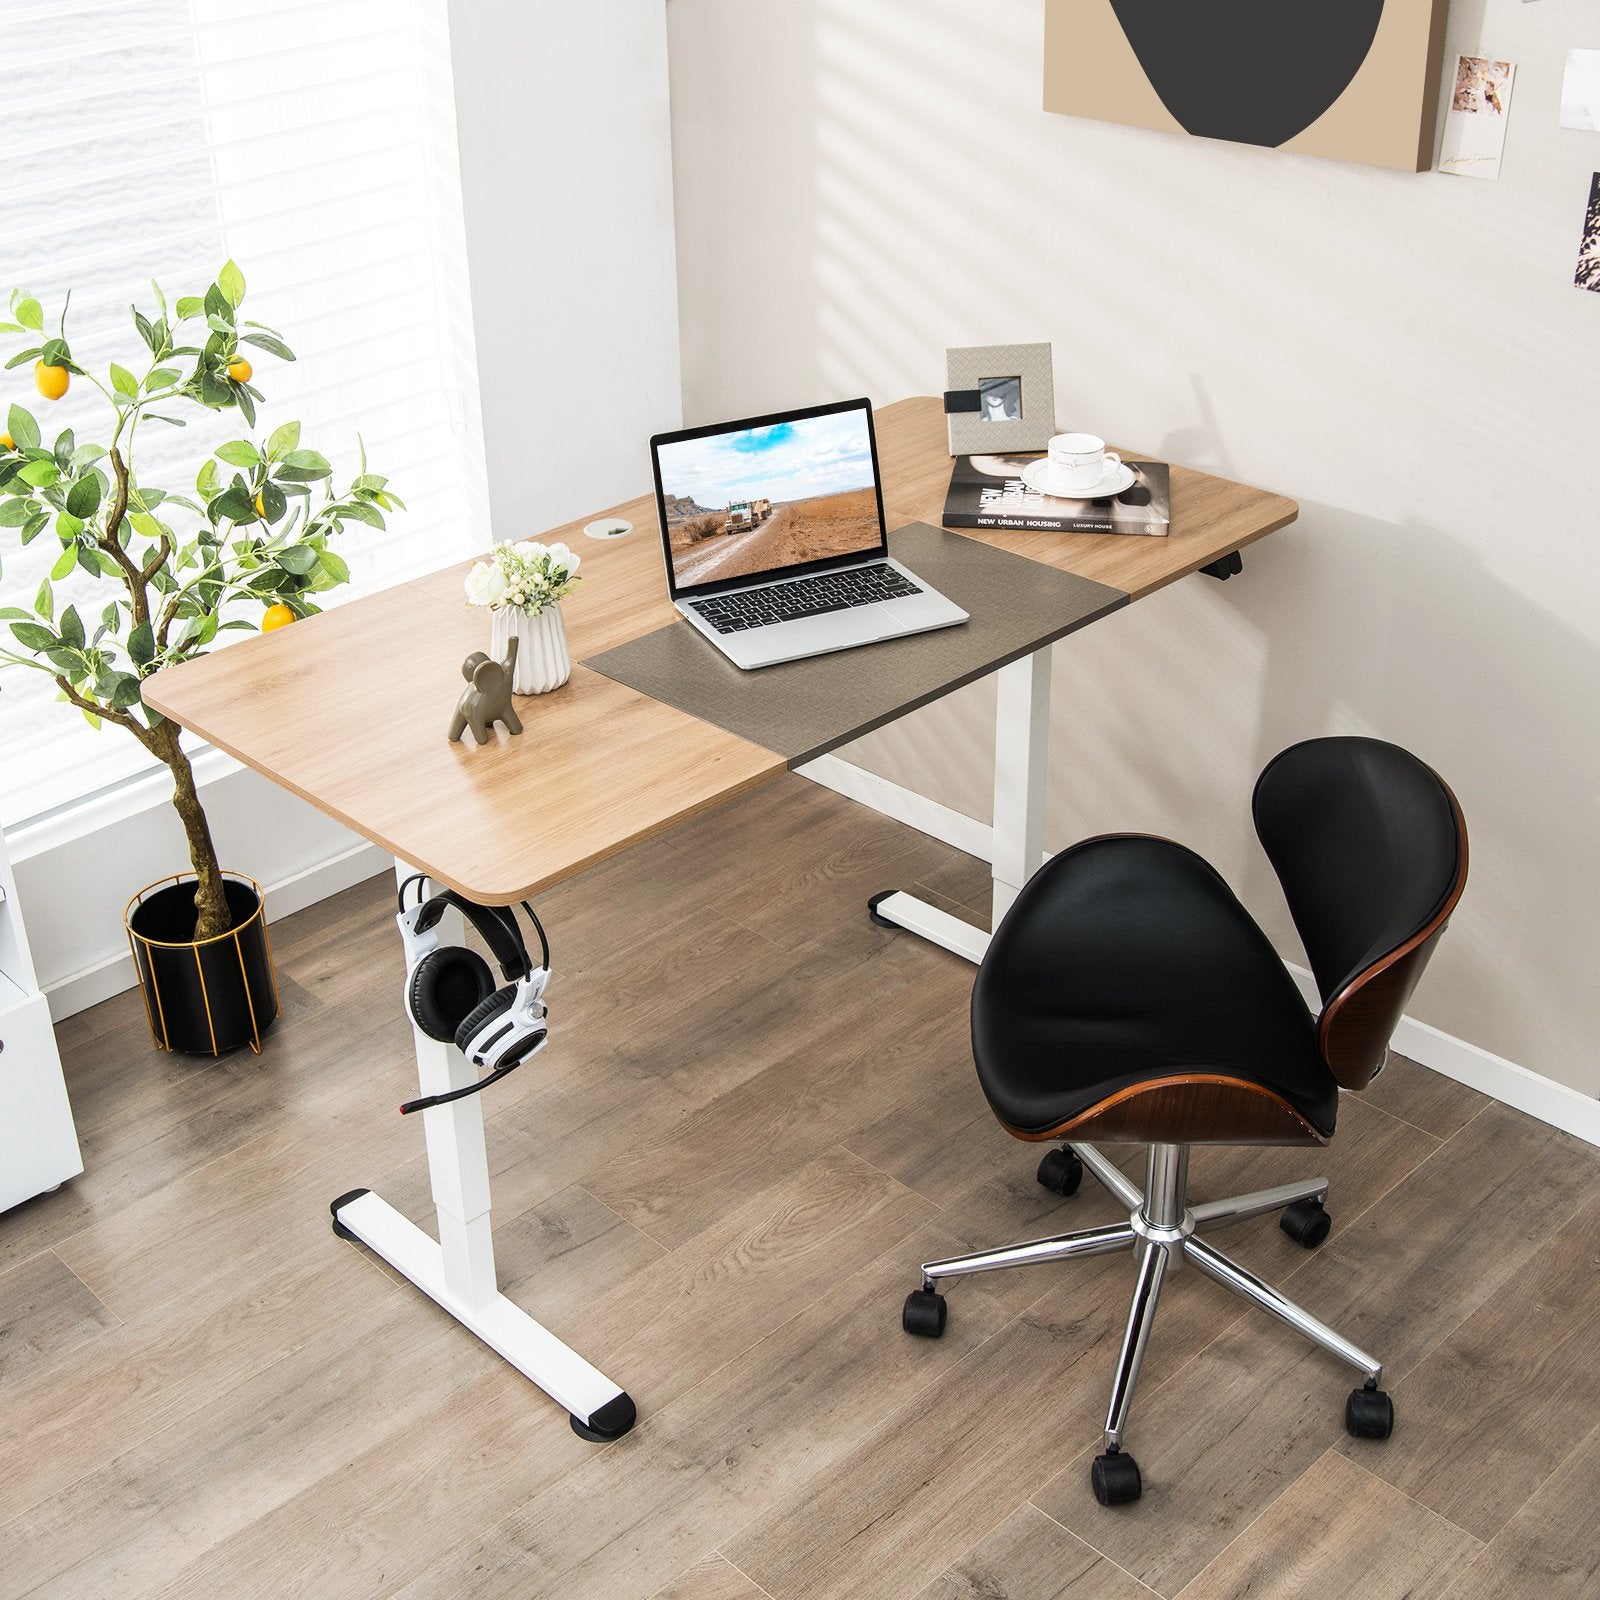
458	1270
1021	767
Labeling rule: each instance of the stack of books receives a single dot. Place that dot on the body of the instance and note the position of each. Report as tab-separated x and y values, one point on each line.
988	492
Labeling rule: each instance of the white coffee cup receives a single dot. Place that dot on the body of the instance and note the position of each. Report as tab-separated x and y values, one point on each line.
1080	460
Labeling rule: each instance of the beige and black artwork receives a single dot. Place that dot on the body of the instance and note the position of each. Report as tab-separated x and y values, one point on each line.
1356	80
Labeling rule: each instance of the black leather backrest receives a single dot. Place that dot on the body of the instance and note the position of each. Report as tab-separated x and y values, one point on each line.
1370	848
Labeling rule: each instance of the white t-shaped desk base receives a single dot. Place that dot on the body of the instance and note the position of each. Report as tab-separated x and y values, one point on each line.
1021	767
457	1269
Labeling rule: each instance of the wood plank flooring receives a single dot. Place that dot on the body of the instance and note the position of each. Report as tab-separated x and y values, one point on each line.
756	1116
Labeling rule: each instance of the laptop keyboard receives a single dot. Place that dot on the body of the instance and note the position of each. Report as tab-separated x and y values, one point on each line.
804	597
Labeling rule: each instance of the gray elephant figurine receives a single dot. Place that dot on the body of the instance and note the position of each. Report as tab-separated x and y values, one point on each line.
488	696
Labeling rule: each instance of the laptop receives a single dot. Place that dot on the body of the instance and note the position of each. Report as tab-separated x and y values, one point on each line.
773	534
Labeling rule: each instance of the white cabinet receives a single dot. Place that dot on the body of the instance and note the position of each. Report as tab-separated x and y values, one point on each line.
38	1143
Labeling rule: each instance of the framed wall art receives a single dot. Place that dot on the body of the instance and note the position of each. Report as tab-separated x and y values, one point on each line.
999	398
1357	80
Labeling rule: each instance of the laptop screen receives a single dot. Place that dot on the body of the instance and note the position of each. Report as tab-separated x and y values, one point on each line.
768	496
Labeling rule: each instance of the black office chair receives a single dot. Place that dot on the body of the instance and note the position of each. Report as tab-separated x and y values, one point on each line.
1127	997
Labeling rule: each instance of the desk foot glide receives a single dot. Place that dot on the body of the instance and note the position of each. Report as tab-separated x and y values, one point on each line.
333	1210
872	909
611	1421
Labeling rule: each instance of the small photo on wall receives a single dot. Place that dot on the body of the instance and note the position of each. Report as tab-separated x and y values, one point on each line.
1588	273
1580	91
1475	125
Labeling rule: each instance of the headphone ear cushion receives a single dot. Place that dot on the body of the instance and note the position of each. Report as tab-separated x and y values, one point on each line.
446	986
486	1010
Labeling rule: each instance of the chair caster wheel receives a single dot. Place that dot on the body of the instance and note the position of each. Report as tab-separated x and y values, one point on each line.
1115	1479
1369	1414
924	1314
1061	1172
1306	1222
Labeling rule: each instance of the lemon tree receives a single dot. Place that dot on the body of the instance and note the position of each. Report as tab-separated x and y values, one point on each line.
252	540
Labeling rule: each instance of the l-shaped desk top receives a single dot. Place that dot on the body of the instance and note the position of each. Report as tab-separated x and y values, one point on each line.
348	709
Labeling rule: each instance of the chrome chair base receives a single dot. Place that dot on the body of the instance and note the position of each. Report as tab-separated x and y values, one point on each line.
1162	1229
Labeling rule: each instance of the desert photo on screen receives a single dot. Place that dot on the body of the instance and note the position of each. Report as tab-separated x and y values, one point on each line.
755	500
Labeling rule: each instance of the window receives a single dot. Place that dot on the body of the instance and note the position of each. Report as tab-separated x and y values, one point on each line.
312	143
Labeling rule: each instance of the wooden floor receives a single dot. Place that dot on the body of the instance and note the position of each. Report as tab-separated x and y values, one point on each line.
757	1114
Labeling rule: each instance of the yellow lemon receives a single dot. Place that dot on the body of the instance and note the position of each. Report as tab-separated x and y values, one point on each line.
261	510
239	369
278	616
7	442
52	381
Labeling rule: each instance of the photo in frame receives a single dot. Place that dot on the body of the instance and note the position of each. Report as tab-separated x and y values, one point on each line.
999	398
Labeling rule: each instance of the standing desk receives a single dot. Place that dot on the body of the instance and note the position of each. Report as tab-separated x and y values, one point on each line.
348	710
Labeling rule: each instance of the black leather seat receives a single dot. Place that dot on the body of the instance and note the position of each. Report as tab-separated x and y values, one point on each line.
1127	996
1126	959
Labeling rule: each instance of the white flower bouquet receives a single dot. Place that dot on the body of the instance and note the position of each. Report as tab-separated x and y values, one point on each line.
526	577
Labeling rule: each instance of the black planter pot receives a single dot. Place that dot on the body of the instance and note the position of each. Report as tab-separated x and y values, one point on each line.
210	997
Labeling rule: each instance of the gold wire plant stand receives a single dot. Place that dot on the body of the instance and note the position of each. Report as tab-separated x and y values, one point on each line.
206	996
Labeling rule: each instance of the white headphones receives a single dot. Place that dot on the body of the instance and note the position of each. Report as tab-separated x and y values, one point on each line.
450	992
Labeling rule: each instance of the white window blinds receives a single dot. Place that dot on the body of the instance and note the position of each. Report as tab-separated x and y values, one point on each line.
314	144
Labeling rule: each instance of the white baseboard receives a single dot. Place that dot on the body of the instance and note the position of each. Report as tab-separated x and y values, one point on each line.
80	990
1502	1080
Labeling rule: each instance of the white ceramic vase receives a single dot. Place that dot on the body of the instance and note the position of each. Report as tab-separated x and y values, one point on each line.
543	660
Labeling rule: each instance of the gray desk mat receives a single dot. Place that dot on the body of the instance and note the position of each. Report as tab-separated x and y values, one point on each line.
802	709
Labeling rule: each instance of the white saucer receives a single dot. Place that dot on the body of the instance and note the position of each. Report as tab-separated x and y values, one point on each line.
1037	477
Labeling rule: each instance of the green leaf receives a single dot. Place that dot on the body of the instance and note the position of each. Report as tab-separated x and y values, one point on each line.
14	614
176	422
142	645
298	559
71	625
14	512
218	304
239	453
334	566
84	497
144	523
215	390
206	479
231	282
304	466
242	393
361	513
22	356
282	440
232	504
55	353
63	449
273	502
161	378
84	455
44	602
67	525
33	636
29	313
69	559
369	482
41	474
146	331
124	381
125	691
189	305
271	344
219	324
91	718
161	299
37	522
21	426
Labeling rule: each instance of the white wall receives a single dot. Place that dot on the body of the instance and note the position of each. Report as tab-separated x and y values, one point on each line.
1397	352
566	178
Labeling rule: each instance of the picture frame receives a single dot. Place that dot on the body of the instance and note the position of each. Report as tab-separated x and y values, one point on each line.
999	399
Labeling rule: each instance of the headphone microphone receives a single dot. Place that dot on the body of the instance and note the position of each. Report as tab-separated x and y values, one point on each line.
450	991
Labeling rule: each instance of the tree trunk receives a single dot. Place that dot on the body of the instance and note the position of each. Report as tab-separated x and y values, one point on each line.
212	916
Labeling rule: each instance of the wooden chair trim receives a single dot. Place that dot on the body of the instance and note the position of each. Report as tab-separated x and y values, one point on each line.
1187	1108
1370	1004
